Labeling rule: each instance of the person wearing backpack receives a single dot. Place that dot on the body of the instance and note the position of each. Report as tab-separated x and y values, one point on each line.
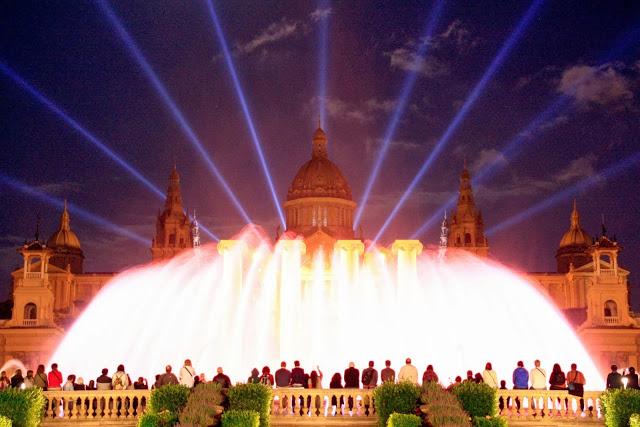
369	376
266	378
120	380
187	374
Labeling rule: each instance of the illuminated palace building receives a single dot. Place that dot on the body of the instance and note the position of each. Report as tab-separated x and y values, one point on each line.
52	288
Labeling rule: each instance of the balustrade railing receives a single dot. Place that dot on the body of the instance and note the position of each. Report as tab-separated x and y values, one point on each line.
30	322
121	405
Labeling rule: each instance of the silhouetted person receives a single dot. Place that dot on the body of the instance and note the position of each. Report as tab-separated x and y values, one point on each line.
369	376
429	375
336	382
575	384
222	379
351	380
614	379
167	378
388	374
632	379
103	382
297	375
283	376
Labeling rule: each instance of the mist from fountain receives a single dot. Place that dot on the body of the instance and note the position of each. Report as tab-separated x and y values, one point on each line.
246	304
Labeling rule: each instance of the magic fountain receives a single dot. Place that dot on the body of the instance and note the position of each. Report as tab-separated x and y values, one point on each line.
247	303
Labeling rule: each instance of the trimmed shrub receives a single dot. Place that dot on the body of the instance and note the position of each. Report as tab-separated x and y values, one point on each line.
202	404
253	397
634	421
240	418
404	420
23	407
619	405
170	398
389	398
442	408
4	421
489	422
157	419
479	400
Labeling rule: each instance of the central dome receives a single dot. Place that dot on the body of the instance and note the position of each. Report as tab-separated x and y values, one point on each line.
319	177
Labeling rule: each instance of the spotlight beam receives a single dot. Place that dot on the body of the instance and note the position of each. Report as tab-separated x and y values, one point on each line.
184	125
76	210
610	172
403	100
104	148
245	109
79	128
323	57
518	143
470	101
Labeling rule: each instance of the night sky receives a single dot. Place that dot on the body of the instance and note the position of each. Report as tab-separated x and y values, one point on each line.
584	55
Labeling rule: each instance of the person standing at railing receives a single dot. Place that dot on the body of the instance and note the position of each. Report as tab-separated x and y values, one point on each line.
538	377
351	380
489	376
632	379
17	379
28	380
408	372
369	376
557	380
575	384
614	379
120	380
283	376
187	374
167	378
388	374
266	378
54	379
40	380
103	382
429	375
70	384
520	380
336	382
221	378
315	378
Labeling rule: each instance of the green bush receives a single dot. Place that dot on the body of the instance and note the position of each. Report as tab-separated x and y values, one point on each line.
489	422
253	397
240	418
201	405
404	420
634	421
4	421
619	405
479	400
157	419
442	408
170	398
23	407
389	398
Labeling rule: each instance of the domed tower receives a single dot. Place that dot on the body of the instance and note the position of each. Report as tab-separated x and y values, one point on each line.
173	228
66	246
467	227
574	245
319	198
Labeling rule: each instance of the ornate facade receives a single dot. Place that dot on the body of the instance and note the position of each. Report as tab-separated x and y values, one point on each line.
589	286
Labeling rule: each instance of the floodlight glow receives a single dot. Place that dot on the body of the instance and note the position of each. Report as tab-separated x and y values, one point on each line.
403	99
245	110
323	55
76	210
613	170
170	104
78	128
470	101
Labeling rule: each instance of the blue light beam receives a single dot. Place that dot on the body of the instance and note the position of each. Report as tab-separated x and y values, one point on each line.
79	128
403	99
76	210
471	99
53	107
245	109
133	49
610	172
517	144
323	59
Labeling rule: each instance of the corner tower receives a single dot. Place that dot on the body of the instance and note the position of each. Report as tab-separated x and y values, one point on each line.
466	230
173	228
574	245
319	198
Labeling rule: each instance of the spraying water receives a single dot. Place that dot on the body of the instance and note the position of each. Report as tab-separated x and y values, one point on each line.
246	304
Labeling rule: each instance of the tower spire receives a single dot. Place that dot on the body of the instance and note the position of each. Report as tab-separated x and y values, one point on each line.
64	219
195	231
444	236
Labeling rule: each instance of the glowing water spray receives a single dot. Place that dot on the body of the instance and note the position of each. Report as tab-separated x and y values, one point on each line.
246	304
610	172
170	104
77	211
245	109
497	62
403	99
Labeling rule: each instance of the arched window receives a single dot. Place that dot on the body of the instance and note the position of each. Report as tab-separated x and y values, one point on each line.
33	266
610	309
30	311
